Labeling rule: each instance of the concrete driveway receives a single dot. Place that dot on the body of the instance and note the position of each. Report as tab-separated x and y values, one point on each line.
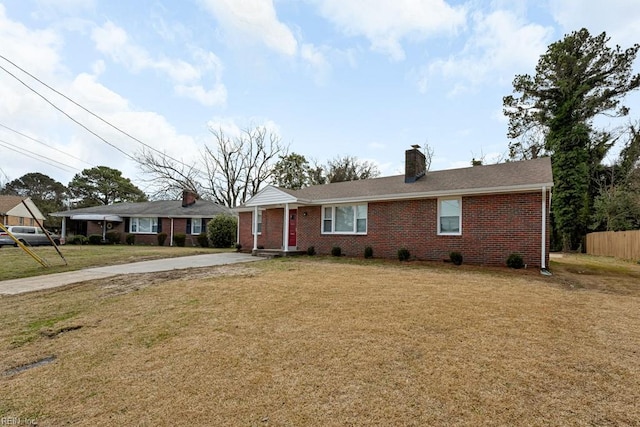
48	281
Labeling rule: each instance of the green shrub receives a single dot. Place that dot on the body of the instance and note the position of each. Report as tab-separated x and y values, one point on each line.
113	237
404	254
515	261
95	239
130	239
203	240
455	257
180	239
78	240
222	231
162	237
368	252
311	250
336	251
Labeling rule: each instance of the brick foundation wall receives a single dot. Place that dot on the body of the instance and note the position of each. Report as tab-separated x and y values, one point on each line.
493	227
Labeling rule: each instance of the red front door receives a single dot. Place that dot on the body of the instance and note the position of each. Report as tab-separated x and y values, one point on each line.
293	219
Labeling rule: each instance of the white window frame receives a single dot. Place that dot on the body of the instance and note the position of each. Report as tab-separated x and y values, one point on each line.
196	221
136	220
253	224
332	219
449	233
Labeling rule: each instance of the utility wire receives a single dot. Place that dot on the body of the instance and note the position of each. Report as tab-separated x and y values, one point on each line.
37	156
65	113
92	113
45	144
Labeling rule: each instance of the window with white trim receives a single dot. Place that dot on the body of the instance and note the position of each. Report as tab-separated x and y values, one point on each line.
253	224
196	225
344	219
450	216
143	225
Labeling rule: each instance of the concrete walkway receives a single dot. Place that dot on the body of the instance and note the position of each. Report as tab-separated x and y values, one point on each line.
48	281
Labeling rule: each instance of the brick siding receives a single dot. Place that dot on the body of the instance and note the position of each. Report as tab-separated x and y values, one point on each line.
179	226
493	227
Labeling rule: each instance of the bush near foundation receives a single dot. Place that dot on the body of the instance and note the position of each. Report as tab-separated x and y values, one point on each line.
456	258
404	254
95	239
222	231
515	261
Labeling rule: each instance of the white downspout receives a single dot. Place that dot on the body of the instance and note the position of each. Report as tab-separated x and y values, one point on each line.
255	228
285	232
544	229
171	238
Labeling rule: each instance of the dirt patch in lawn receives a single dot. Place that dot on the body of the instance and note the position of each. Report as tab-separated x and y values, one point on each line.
123	284
316	342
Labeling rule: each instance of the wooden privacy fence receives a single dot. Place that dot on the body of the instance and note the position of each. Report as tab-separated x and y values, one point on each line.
619	244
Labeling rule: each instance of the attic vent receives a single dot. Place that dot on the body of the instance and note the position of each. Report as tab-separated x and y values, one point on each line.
415	165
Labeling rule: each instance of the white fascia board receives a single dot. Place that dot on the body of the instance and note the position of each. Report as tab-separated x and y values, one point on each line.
270	195
436	194
96	217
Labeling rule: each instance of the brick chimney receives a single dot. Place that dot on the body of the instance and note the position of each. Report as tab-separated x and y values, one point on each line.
415	165
188	198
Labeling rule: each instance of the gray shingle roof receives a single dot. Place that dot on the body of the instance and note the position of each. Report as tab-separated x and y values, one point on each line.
160	208
503	177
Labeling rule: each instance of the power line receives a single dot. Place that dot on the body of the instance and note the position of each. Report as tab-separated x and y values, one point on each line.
92	113
45	144
65	113
35	156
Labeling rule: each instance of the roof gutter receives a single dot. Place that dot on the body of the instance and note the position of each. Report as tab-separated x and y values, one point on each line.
434	194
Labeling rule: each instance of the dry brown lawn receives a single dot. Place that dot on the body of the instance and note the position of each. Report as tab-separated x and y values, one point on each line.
297	342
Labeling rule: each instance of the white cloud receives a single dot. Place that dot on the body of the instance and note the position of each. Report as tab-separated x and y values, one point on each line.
37	49
38	52
619	18
501	45
252	21
149	127
387	23
187	78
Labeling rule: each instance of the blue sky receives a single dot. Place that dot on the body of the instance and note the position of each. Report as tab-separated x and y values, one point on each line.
331	77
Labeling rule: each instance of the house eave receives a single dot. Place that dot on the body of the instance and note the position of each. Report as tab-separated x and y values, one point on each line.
436	194
399	196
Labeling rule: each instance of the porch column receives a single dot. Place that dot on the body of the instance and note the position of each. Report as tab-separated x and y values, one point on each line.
255	228
104	229
63	233
285	232
171	238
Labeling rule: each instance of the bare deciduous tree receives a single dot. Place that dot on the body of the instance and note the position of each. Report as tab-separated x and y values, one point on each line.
168	178
233	168
238	167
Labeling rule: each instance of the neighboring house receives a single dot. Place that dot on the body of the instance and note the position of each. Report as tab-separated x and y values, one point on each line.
484	212
146	220
14	212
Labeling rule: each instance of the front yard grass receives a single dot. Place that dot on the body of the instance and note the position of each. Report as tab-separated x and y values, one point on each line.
15	263
315	341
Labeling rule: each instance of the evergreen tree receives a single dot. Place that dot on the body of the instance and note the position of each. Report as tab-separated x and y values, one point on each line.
577	79
103	185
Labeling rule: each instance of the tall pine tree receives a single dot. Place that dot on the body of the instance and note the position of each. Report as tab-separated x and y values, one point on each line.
576	80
